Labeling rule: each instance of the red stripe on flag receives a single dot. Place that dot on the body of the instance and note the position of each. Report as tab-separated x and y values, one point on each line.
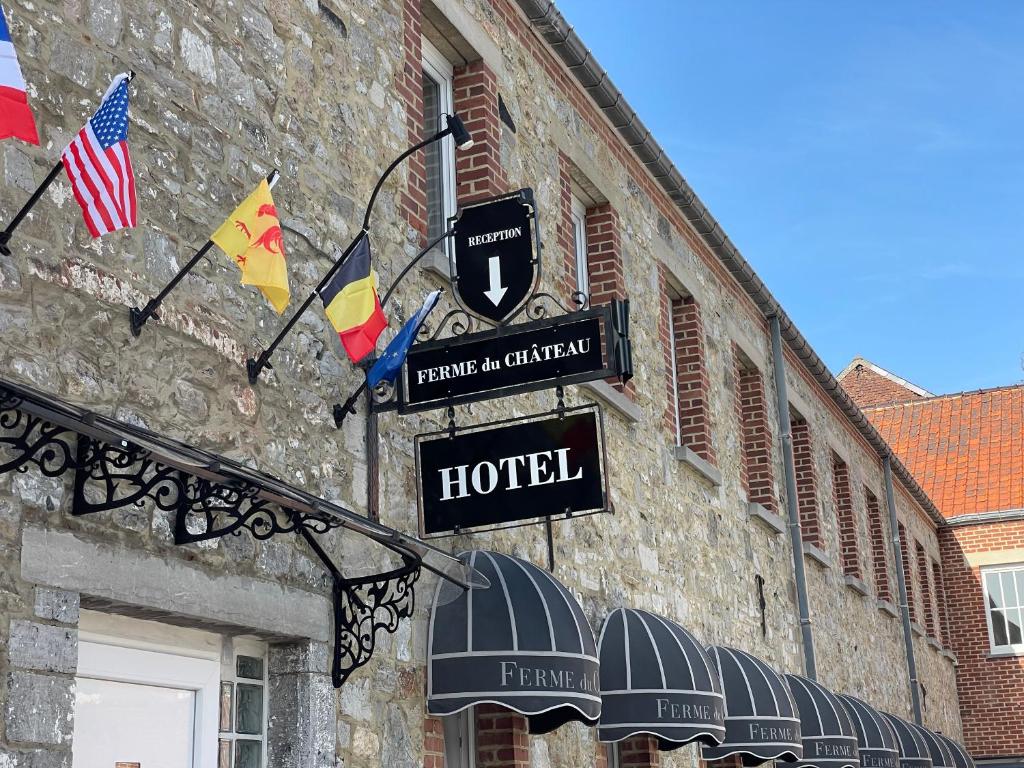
103	179
85	178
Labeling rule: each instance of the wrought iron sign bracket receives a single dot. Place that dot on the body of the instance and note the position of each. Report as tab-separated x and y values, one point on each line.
116	466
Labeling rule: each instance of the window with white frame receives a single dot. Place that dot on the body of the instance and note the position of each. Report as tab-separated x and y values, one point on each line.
459	740
438	98
1004	606
243	705
578	216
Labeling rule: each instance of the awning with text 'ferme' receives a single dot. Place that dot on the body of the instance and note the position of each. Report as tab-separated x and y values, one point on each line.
913	749
657	679
942	756
761	719
829	738
961	758
523	643
876	741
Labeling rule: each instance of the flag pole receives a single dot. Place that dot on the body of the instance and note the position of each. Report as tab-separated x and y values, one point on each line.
8	232
455	128
341	410
138	317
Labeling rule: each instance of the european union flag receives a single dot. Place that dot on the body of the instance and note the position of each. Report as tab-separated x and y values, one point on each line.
390	363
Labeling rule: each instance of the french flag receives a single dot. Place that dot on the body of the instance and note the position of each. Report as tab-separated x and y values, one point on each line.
15	116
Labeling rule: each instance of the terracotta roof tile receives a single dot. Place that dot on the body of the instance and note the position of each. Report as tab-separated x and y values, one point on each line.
966	450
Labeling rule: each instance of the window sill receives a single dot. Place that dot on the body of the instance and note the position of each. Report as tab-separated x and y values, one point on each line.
1004	654
856	584
935	644
702	467
917	629
766	517
886	607
817	555
950	655
436	262
605	392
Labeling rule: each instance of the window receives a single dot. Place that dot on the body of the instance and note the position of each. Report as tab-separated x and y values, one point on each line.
440	156
907	570
843	501
612	755
879	559
924	578
578	217
942	631
688	375
1004	606
806	481
460	740
757	474
243	706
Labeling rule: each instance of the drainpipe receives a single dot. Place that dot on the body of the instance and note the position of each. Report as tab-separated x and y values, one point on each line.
795	537
908	634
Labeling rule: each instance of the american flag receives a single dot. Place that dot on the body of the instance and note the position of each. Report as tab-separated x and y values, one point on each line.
100	168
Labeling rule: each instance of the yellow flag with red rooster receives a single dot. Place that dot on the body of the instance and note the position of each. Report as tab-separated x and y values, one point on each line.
252	237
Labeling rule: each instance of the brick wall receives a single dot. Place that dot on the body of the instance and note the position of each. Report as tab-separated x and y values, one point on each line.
843	501
691	377
502	738
757	472
868	388
639	752
806	484
879	556
409	84
433	742
924	579
908	570
991	689
478	170
564	231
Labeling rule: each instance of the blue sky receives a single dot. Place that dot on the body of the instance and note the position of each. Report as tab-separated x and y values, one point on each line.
866	158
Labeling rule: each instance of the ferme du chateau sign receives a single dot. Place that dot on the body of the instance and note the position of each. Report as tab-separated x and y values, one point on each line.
508	472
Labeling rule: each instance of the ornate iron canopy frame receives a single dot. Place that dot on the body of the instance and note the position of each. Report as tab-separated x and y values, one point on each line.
117	465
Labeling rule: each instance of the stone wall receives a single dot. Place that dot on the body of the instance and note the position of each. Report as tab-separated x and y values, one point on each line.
226	91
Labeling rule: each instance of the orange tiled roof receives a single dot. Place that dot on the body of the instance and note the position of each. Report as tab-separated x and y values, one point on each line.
966	450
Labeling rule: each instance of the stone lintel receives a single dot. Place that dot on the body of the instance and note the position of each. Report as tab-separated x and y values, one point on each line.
857	585
169	589
604	391
887	607
817	555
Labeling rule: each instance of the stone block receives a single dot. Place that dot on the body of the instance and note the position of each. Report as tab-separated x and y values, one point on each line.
296	658
57	605
302	728
39	708
43	647
35	758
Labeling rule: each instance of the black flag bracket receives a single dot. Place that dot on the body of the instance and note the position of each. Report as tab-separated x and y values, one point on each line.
138	317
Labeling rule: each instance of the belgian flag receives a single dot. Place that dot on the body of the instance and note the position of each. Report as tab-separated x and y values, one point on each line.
352	305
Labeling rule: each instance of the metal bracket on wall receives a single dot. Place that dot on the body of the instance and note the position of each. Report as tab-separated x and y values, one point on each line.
115	465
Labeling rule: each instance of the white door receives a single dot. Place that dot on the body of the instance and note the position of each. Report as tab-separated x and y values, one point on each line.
143	708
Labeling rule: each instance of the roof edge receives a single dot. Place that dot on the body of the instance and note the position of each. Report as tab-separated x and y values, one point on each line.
862	361
581	63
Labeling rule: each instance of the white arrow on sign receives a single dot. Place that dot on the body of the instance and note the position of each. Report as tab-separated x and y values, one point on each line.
495	293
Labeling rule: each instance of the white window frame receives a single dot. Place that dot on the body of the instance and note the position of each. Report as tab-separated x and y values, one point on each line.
460	739
142	657
441	71
1015	649
578	217
613	755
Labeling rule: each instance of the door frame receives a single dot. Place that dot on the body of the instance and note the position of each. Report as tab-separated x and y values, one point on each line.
119	663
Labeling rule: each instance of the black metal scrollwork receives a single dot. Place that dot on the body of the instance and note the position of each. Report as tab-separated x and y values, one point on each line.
26	439
461	323
112	477
361	608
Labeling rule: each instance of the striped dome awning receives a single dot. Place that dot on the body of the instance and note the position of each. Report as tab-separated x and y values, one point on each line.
876	741
913	749
761	719
827	732
523	643
657	679
961	758
942	756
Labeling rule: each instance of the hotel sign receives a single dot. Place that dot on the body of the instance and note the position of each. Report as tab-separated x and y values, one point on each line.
497	474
